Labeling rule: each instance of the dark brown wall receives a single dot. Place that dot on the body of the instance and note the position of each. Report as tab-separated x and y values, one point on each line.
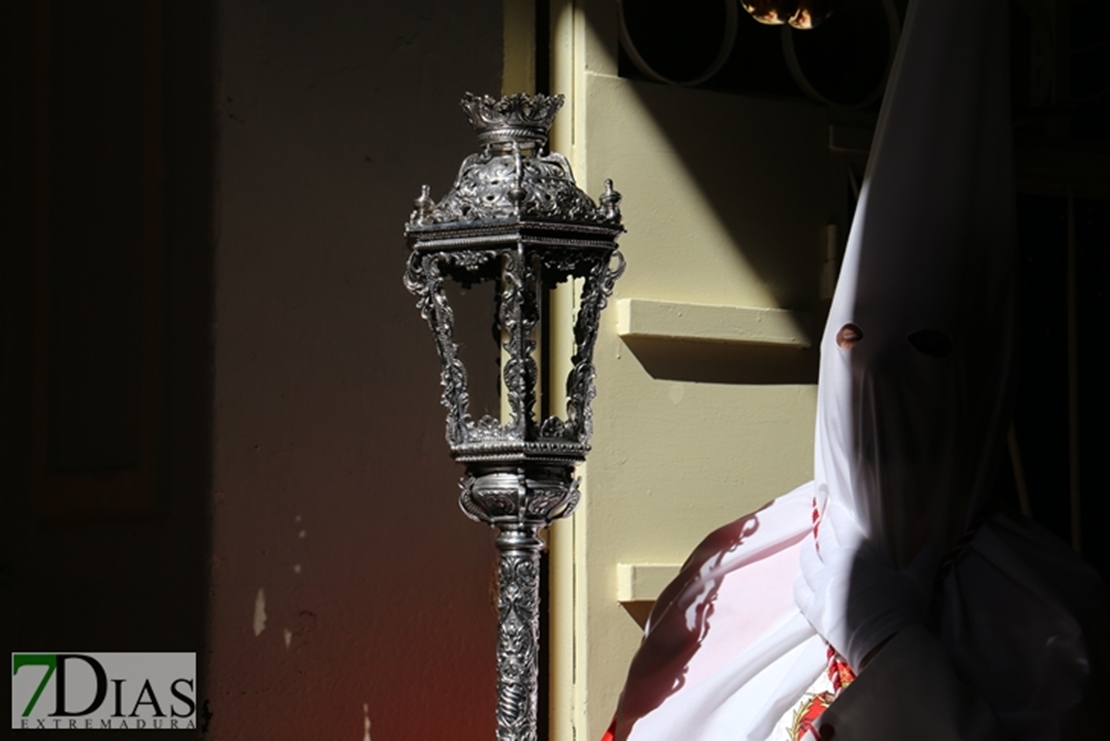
327	422
106	274
284	408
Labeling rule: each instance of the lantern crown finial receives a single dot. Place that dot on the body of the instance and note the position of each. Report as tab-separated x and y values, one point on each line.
520	117
511	180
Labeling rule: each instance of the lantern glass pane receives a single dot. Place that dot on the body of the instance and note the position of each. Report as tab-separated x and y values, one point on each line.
478	338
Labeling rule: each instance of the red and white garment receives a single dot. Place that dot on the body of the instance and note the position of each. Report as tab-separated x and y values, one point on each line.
913	405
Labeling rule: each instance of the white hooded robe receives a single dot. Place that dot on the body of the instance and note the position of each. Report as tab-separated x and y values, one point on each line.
910	426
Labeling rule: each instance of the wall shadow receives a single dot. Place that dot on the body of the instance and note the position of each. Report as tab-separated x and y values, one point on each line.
109	579
719	362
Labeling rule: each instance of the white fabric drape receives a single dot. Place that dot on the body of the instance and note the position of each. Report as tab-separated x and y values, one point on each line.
910	422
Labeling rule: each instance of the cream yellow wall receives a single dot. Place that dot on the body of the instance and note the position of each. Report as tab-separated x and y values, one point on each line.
726	201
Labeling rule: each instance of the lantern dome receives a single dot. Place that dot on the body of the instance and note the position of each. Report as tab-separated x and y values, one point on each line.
510	179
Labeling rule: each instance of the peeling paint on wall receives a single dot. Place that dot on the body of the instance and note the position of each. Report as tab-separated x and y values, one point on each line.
296	568
288	636
259	612
365	722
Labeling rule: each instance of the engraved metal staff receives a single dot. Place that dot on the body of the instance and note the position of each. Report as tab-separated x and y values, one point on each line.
516	216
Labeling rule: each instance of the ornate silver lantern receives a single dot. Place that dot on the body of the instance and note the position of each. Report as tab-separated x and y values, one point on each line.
516	217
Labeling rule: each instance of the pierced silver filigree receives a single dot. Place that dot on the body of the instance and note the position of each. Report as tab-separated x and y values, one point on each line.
509	178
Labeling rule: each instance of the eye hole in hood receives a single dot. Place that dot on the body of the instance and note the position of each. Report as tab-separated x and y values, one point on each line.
931	342
848	336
